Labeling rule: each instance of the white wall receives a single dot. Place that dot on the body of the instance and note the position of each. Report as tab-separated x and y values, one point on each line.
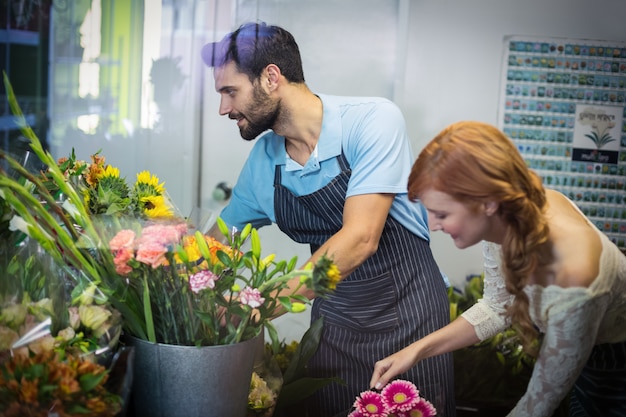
453	68
451	71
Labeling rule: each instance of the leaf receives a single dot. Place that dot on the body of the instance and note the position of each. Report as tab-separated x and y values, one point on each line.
90	381
224	258
273	334
206	318
77	409
294	392
301	298
286	303
306	349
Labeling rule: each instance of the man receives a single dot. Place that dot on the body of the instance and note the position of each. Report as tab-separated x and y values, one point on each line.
332	172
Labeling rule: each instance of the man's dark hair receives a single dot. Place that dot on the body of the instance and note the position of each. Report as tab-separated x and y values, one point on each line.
252	47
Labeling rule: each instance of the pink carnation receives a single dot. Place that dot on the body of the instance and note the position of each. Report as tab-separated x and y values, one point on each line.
164	234
151	253
202	280
123	239
251	297
122	256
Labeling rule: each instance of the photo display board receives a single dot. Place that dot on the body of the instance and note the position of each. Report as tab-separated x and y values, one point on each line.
563	102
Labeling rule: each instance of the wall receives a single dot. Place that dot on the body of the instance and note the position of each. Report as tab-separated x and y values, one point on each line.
453	68
450	71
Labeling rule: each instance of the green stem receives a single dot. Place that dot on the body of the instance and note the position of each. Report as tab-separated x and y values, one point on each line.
242	326
19	201
284	278
147	308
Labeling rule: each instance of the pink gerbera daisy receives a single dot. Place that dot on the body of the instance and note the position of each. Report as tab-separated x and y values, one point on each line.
400	395
370	404
423	408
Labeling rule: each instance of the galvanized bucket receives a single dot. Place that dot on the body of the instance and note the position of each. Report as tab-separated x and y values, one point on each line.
188	381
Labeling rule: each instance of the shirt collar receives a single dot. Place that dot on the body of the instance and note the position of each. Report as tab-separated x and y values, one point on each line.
329	143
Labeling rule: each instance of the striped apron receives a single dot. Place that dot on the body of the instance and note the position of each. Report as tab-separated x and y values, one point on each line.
600	390
394	298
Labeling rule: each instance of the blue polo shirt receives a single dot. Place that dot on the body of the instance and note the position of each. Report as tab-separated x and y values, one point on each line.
372	133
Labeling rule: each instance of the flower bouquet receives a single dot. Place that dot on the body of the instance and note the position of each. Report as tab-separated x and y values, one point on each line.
56	342
48	383
199	291
170	283
399	398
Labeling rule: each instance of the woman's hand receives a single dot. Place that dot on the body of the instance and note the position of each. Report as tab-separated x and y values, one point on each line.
455	335
386	369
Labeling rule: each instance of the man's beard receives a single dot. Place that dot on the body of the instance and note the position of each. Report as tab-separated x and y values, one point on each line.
261	114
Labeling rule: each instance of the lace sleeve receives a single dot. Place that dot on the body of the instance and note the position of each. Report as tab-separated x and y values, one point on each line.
571	332
487	315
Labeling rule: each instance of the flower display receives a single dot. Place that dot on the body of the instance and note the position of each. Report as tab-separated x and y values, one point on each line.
104	191
132	266
57	338
170	283
399	398
47	384
197	290
86	329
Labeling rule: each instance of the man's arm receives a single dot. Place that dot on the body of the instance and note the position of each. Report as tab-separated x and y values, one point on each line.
364	218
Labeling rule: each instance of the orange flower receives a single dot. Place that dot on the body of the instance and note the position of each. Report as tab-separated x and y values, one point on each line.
97	405
28	391
93	174
98	160
193	252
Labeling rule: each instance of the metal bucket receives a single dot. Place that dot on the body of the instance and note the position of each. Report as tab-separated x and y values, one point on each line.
188	381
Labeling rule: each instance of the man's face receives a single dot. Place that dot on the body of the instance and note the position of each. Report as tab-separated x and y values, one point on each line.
244	101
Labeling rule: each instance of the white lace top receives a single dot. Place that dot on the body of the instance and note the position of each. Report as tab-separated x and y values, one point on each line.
572	320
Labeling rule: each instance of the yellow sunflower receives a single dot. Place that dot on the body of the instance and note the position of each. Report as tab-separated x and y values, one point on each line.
110	171
155	206
149	184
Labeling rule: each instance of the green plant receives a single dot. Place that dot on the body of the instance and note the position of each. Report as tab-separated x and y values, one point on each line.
198	291
99	230
491	375
505	346
290	361
48	384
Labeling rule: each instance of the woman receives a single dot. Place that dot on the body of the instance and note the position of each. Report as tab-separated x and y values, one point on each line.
548	271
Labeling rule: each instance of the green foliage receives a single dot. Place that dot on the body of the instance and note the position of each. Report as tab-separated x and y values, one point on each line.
491	375
496	370
297	385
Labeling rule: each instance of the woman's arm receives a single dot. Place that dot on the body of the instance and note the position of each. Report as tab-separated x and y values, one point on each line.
479	322
573	322
455	335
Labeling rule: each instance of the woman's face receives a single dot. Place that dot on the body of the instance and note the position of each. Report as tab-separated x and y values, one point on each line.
466	225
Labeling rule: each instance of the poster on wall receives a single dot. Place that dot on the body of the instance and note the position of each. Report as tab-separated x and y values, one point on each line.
563	102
